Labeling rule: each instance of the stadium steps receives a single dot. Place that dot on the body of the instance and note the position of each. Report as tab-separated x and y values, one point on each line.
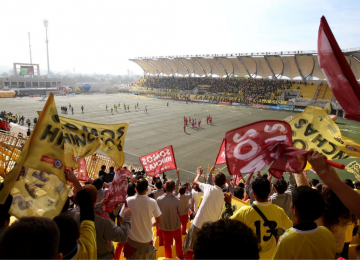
325	93
307	91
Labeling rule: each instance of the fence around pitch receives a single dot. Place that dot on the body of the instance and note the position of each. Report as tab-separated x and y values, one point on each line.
10	149
95	161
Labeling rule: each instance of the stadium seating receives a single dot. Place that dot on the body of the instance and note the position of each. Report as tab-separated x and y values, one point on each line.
161	252
240	88
306	91
325	93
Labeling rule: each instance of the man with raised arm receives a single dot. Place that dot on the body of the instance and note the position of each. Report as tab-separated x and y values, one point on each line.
209	211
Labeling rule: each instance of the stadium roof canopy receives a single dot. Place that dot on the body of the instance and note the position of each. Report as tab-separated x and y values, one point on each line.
289	64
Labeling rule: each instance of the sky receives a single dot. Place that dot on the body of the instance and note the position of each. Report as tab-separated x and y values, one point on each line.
101	36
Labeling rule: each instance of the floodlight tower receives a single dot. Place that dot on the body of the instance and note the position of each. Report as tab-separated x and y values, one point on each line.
46	23
30	49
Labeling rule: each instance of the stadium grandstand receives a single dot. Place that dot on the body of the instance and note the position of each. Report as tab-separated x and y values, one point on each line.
277	65
289	77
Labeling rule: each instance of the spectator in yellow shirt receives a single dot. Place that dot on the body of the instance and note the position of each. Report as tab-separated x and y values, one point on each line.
306	240
263	217
75	243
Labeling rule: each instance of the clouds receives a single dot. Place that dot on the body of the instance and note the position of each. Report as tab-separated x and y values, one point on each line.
100	37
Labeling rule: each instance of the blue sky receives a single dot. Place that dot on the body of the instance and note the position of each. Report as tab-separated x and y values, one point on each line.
100	36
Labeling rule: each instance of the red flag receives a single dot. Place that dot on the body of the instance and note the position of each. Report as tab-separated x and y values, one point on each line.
338	73
291	160
220	159
81	172
253	147
117	188
159	161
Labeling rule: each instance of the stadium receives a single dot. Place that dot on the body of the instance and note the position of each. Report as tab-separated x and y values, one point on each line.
217	156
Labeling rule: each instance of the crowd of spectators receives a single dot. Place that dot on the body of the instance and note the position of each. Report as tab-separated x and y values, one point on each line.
294	219
244	89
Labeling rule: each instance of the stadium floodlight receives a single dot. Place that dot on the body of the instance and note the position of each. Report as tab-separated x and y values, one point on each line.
46	23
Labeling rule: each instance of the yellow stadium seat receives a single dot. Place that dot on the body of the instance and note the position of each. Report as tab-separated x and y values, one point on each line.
122	256
161	252
183	238
188	225
156	242
164	258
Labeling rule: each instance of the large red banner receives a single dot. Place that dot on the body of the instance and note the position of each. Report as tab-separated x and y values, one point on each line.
159	161
338	72
253	147
221	159
117	188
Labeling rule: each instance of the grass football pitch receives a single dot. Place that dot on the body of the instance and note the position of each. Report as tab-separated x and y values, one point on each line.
163	125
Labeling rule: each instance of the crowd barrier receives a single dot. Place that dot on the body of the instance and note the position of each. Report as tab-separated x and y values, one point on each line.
10	149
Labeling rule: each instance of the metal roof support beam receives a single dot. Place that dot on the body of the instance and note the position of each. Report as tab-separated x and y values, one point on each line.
153	67
283	68
167	66
242	63
221	66
267	62
298	67
199	66
184	67
354	57
256	65
313	68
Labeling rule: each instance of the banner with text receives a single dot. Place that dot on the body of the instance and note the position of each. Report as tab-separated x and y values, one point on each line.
111	135
159	161
315	130
354	168
253	147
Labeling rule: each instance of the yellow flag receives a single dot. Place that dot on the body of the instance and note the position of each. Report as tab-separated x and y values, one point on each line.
78	144
37	182
354	168
39	194
9	181
236	204
314	130
112	136
46	151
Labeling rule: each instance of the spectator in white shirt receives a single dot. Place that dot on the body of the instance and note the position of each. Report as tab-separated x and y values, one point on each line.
143	209
196	196
210	210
